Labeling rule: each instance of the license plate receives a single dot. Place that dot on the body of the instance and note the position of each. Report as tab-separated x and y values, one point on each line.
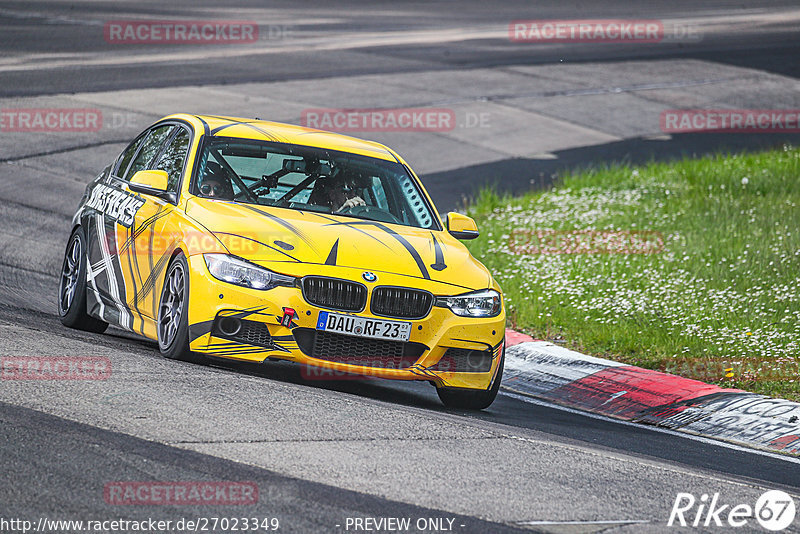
353	325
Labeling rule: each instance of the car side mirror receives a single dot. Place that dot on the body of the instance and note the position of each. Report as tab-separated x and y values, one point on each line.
461	227
154	184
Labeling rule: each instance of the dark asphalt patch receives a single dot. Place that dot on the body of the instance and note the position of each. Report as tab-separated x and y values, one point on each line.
63	466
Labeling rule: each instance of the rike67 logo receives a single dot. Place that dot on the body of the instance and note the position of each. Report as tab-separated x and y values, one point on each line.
774	511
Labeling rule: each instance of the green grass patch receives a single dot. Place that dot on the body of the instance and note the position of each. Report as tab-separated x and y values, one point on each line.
717	295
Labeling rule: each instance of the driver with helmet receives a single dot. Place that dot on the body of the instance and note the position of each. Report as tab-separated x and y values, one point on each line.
215	182
337	192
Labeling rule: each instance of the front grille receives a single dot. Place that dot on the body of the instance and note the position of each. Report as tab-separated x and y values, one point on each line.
334	293
360	351
401	302
465	361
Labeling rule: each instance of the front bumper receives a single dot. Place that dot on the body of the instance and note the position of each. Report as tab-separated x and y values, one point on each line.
262	312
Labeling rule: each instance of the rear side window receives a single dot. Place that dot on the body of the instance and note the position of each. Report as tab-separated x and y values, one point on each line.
150	148
173	158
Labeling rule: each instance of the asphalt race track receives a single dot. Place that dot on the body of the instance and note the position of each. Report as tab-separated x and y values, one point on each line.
323	453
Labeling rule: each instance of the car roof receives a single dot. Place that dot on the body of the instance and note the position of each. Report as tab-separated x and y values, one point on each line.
284	133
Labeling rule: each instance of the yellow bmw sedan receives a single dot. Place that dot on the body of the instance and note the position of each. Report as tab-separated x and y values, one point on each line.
251	240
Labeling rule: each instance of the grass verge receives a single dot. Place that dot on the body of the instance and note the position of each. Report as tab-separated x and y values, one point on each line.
690	267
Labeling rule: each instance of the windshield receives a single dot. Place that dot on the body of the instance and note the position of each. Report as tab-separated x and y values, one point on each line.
311	179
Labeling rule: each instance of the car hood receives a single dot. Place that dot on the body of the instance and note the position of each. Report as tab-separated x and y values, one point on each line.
280	235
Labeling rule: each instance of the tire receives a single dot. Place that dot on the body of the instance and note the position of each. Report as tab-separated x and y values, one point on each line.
473	399
72	287
172	324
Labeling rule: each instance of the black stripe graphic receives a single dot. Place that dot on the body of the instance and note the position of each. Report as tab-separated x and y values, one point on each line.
359	230
132	252
265	133
402	240
205	124
143	226
332	255
149	283
289	226
440	265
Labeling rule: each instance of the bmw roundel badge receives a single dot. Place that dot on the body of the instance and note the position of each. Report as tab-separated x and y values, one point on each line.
369	277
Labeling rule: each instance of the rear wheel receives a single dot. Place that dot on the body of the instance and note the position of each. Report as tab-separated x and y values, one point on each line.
474	399
72	287
173	321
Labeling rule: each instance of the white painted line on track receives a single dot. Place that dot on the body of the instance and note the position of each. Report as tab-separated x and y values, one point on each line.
701	439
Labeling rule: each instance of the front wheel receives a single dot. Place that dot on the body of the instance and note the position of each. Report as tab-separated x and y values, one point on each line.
474	399
72	287
173	320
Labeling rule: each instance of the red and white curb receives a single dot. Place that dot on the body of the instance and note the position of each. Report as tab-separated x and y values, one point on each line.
553	373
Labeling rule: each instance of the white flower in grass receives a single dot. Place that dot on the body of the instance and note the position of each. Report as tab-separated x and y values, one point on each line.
745	181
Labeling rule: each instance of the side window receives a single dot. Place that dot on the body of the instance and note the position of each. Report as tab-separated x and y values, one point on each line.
125	158
149	149
173	157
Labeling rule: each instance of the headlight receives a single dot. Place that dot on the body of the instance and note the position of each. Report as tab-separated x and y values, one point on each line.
485	303
241	273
